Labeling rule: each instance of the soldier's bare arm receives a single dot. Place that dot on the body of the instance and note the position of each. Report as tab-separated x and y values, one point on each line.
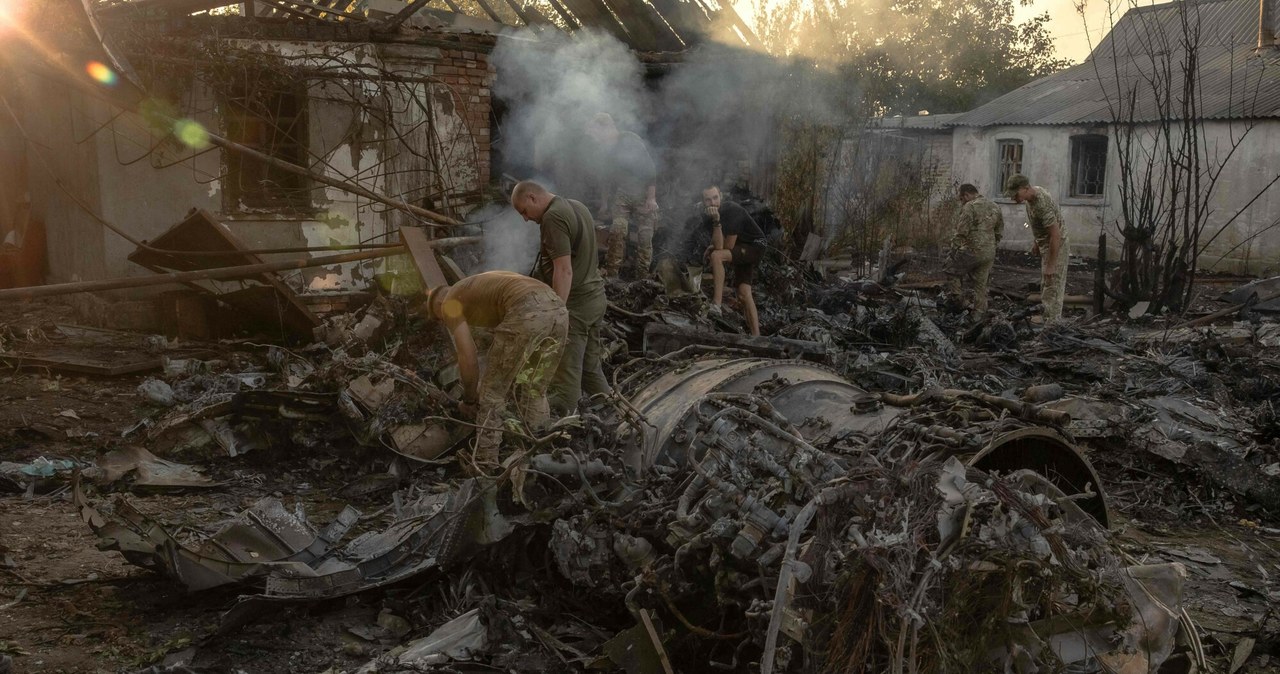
562	276
468	361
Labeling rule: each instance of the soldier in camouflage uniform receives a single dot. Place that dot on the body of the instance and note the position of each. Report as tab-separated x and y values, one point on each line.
628	182
1050	233
530	325
979	226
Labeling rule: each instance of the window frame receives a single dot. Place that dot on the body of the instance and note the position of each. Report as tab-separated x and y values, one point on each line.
282	131
999	178
1077	155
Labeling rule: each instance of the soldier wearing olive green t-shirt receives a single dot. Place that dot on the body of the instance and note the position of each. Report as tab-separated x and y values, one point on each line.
569	265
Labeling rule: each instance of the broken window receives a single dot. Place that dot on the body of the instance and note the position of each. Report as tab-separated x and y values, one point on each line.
1010	161
1088	165
273	123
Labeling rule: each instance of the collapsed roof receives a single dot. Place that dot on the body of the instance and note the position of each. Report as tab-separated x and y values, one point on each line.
643	25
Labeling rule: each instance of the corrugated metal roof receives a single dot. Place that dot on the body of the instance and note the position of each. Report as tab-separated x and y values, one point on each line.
918	122
1139	62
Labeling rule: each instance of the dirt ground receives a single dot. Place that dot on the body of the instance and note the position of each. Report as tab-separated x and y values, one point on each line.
65	606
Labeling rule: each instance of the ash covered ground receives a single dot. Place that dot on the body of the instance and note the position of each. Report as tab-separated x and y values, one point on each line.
566	564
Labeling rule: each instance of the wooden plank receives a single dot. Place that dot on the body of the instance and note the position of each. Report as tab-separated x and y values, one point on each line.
282	6
489	10
750	35
690	23
169	6
72	363
644	23
525	17
643	35
201	231
564	13
423	254
593	14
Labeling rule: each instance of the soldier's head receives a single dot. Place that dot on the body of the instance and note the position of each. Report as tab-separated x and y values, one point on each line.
968	193
711	197
602	129
1018	188
530	200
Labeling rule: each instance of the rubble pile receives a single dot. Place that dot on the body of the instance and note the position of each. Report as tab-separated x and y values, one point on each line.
878	486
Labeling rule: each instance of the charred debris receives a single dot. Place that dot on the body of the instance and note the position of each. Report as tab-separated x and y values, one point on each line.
880	484
877	487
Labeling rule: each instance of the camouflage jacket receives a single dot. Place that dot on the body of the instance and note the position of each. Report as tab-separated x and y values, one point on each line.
979	226
1041	213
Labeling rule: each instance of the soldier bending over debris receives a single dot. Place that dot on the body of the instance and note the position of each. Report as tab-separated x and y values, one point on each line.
736	239
1050	232
979	226
567	262
529	323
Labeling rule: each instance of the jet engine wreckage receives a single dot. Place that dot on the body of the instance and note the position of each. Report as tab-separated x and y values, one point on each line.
753	513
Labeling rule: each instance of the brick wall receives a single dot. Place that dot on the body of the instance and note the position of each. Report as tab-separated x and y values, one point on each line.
470	74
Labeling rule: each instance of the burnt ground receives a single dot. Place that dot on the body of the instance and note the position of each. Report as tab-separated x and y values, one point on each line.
65	606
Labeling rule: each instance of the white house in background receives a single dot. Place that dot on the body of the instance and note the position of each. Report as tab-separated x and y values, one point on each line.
1061	132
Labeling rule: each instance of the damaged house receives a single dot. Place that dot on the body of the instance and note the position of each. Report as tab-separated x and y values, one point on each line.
878	485
386	107
1092	134
400	115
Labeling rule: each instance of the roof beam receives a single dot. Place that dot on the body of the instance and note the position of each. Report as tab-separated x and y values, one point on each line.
170	6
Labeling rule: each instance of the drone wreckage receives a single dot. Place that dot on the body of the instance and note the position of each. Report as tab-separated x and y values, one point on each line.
751	513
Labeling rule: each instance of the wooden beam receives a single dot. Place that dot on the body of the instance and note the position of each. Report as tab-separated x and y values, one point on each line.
423	253
169	6
489	10
569	19
593	14
407	13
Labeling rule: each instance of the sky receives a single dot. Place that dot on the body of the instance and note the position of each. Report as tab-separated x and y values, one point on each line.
1067	26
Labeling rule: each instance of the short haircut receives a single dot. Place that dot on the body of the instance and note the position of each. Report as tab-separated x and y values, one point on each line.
525	188
710	187
968	189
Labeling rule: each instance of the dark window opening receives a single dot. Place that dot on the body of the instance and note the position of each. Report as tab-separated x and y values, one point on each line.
1088	165
1010	162
275	124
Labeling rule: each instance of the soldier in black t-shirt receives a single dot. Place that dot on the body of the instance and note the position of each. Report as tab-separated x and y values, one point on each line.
735	239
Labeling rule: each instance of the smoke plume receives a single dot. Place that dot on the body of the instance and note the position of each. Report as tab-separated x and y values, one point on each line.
707	119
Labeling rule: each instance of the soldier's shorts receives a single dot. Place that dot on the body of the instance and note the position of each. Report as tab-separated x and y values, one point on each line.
746	256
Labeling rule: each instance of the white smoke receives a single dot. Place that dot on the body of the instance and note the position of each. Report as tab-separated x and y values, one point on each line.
552	89
704	118
510	243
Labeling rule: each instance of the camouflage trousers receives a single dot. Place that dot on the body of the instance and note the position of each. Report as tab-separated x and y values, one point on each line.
580	369
967	276
526	350
628	209
1053	282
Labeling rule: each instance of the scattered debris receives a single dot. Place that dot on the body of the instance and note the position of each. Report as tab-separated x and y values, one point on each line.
871	488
